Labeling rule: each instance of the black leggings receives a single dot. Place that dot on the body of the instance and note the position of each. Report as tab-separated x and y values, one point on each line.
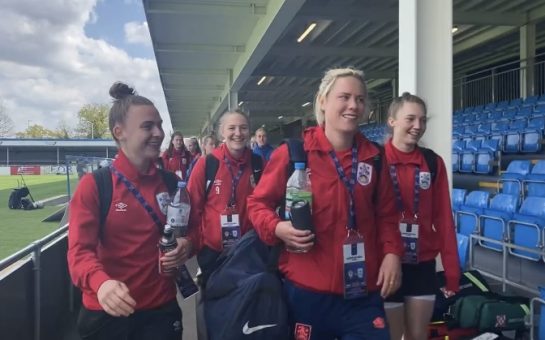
164	322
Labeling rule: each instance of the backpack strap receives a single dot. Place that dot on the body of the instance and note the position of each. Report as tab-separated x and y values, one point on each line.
431	160
377	165
170	179
210	169
257	167
212	165
103	180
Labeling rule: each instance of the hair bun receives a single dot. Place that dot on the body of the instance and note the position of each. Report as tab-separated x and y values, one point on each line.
121	90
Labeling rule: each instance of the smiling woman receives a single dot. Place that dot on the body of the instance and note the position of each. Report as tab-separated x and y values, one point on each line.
114	261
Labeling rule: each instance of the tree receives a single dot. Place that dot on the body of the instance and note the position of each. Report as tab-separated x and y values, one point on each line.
93	121
63	130
6	123
36	131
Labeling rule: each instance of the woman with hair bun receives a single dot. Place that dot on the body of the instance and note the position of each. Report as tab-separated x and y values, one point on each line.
115	263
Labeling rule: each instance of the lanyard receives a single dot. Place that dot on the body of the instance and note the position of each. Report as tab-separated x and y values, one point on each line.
139	197
395	182
234	180
349	184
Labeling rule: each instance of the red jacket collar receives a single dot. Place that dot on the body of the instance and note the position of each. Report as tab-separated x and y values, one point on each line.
124	165
222	151
396	156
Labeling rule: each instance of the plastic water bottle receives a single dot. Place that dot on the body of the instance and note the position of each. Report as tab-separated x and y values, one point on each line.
166	243
178	217
298	188
178	210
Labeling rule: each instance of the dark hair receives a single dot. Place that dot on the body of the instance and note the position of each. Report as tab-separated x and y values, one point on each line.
171	146
196	141
124	97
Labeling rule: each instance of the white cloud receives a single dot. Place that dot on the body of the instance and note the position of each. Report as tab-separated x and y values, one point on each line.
137	33
49	68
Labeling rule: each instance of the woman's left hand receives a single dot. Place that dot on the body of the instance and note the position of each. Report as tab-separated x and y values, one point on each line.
389	275
178	256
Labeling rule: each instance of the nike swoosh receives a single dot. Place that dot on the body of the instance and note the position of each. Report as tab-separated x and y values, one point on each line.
249	330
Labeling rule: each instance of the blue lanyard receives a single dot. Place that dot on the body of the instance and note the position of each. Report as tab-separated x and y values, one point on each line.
234	180
139	197
397	191
349	184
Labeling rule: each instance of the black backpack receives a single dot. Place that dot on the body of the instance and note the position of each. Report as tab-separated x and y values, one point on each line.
103	180
244	298
431	160
15	197
212	165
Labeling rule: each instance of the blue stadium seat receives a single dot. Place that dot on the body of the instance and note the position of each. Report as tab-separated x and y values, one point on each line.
532	141
510	113
485	157
458	144
455	160
463	250
511	180
534	182
458	198
526	227
512	141
493	220
539	110
530	101
485	128
468	109
541	100
494	116
502	105
537	123
467	156
515	103
490	106
525	111
467	217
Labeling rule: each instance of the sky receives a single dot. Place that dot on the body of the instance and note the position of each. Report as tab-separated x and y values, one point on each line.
58	55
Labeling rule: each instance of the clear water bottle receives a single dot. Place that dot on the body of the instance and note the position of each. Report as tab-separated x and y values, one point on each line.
166	243
178	210
298	188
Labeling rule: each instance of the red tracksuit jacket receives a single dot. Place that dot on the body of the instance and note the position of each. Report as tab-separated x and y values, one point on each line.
178	161
437	234
321	269
205	212
128	251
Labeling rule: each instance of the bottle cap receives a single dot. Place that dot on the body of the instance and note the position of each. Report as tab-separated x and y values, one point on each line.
300	165
168	228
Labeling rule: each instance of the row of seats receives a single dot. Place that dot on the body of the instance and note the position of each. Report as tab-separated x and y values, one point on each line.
476	156
523	179
531	101
498	113
501	219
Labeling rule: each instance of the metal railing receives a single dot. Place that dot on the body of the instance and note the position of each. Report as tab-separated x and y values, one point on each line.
34	251
520	78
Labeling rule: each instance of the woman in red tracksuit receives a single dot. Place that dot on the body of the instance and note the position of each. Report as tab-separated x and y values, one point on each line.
336	280
115	264
226	199
177	158
219	213
423	204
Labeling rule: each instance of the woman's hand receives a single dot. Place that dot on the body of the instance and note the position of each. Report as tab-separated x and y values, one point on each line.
389	275
115	299
178	256
299	240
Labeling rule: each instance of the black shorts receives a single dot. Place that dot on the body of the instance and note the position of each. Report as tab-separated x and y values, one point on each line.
417	280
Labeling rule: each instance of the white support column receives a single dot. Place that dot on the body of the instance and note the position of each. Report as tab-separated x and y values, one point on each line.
425	67
527	57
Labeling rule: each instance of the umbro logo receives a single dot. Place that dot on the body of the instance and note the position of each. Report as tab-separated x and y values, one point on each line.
249	330
120	206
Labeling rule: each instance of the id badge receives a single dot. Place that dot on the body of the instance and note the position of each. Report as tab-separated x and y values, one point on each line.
354	274
409	233
230	228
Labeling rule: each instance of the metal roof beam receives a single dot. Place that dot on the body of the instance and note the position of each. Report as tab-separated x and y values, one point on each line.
334	51
376	74
341	13
210	48
226	8
482	38
279	14
488	18
190	87
198	72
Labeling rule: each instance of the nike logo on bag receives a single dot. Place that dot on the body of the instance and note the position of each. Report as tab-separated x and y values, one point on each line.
249	330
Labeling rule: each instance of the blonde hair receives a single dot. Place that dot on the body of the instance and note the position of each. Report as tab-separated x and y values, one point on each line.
327	83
